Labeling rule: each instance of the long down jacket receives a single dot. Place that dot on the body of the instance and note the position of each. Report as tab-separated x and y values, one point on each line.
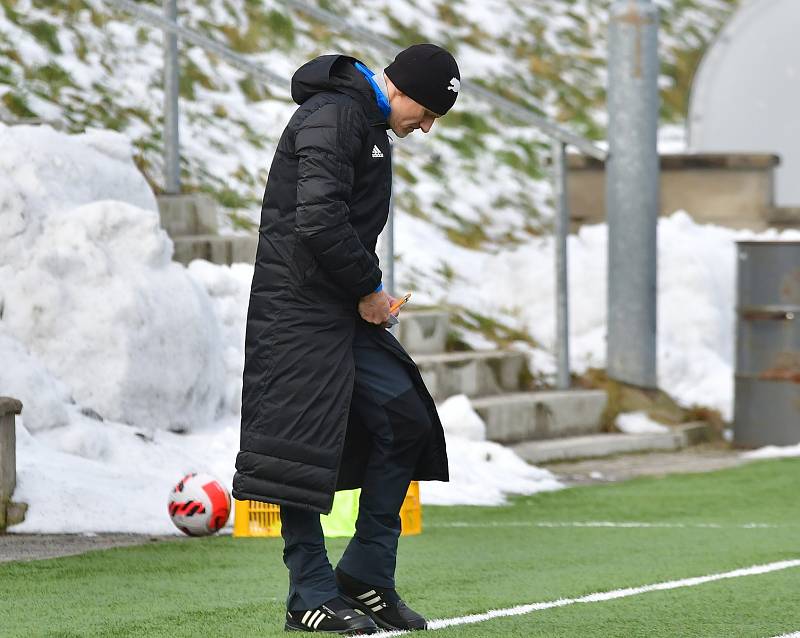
326	201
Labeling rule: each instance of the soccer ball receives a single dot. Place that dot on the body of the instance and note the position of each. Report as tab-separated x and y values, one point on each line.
199	505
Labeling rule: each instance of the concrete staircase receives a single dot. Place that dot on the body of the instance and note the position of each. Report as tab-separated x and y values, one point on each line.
540	426
610	444
191	221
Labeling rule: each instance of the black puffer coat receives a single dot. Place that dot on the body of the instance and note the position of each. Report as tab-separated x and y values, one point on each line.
326	201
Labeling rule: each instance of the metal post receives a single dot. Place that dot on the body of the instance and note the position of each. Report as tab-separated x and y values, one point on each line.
172	167
559	158
632	191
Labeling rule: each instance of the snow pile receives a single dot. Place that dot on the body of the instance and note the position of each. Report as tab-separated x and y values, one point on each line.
481	471
93	476
110	345
88	288
228	288
638	423
773	452
696	297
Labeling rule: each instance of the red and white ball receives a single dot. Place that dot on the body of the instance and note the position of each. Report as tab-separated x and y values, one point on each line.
199	505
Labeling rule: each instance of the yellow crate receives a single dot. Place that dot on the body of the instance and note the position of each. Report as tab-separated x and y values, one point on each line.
411	511
254	518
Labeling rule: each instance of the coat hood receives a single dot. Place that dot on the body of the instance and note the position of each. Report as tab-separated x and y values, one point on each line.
334	73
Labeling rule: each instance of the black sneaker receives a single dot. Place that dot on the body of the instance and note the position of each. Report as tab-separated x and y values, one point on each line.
383	605
332	617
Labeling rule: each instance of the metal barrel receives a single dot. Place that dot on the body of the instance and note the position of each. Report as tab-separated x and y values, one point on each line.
767	403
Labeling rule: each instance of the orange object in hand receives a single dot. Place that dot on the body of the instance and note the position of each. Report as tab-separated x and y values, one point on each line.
402	302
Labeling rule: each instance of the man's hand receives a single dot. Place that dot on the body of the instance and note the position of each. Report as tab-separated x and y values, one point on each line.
374	308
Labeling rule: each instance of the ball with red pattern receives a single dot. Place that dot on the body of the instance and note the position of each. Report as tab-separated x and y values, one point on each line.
199	505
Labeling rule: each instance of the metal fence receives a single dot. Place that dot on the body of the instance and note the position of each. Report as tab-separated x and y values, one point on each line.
560	136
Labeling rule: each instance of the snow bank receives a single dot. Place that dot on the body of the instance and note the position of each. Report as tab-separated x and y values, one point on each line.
481	472
88	286
44	173
773	452
93	476
696	297
24	377
110	345
638	423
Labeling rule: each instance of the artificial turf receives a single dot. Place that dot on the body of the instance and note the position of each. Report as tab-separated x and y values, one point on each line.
224	586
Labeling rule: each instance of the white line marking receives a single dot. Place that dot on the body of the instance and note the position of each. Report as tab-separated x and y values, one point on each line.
520	610
796	634
609	524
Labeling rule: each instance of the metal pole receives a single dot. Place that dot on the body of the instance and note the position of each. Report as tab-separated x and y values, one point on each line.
632	191
559	158
172	167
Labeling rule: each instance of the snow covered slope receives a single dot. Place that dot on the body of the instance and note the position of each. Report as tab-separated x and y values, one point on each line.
81	63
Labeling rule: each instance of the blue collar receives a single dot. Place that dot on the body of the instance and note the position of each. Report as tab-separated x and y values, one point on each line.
383	101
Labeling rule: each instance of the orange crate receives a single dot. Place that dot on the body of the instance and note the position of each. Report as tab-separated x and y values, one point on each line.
254	518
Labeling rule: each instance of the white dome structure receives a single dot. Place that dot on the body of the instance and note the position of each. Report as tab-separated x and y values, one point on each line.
746	93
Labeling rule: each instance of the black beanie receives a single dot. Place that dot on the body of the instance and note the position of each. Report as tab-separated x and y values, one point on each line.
428	74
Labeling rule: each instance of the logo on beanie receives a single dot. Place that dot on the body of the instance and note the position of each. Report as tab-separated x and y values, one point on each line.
455	85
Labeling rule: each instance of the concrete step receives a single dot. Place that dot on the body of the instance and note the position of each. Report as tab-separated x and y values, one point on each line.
423	331
218	249
478	373
188	214
525	416
597	445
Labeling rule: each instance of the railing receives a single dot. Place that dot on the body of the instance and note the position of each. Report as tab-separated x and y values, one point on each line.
560	136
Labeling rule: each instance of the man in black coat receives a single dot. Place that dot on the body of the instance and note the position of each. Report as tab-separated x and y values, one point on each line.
330	399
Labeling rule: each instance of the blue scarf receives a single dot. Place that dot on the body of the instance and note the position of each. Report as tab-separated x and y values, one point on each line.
383	101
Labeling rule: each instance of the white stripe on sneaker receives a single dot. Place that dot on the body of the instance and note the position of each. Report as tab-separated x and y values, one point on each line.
313	617
373	601
371	592
320	619
305	616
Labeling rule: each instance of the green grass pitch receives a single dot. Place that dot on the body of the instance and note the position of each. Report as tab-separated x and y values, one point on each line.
468	560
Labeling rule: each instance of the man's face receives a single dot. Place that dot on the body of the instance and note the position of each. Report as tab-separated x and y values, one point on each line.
408	115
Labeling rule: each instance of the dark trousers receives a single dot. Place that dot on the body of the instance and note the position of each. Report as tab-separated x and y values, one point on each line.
387	404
